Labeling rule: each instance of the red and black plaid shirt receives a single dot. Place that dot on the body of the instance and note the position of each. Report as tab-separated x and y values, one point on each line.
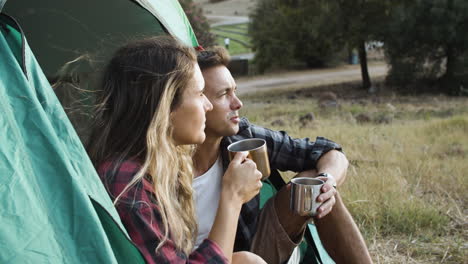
140	216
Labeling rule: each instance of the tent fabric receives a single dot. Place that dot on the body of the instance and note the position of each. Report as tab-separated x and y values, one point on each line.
60	31
324	257
2	3
173	18
125	251
47	183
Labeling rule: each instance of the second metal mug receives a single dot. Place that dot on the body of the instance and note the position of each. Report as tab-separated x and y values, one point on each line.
257	152
304	193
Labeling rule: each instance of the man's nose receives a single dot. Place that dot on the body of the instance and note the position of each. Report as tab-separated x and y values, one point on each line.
236	103
208	105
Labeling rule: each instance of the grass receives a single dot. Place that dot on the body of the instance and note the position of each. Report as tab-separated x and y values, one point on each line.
407	183
236	33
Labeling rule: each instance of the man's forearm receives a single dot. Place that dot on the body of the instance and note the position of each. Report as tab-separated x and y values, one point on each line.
335	163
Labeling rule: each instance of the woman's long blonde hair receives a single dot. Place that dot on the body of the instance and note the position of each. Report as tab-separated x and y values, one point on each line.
142	85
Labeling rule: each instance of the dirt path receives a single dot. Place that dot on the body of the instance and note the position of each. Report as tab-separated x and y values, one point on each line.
227	7
307	78
226	20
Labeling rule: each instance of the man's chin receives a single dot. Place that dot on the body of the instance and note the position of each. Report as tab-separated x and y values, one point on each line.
235	130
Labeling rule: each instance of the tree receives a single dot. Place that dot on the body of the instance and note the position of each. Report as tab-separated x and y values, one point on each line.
287	31
432	44
363	21
316	31
199	22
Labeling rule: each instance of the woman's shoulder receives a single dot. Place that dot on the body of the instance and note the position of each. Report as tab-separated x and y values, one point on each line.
125	168
116	176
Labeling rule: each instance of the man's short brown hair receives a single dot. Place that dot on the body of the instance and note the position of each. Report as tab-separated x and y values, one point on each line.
213	57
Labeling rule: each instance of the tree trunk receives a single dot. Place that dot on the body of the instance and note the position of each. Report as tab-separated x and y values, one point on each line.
448	80
366	82
450	66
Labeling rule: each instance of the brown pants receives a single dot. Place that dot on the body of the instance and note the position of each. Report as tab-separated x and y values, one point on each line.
271	242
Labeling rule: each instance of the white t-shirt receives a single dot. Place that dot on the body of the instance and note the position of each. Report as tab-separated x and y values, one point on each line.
207	190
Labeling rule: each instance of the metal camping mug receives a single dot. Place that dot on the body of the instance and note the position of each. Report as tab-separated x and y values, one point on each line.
304	193
257	152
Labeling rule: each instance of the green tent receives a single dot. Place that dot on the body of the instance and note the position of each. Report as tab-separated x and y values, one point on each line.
54	208
60	31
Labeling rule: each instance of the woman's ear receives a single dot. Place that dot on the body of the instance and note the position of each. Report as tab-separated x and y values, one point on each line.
171	116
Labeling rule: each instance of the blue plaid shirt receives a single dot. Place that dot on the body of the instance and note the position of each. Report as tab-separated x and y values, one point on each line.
285	154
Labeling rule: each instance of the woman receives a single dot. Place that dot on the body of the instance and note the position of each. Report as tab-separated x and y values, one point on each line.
150	110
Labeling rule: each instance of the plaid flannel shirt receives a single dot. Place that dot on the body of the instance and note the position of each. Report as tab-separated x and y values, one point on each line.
285	154
140	215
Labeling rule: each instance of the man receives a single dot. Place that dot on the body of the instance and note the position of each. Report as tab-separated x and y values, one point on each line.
275	226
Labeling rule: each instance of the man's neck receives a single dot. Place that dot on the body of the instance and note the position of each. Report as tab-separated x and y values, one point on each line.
206	155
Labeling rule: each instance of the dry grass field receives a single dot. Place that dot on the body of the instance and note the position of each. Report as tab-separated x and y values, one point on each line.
407	183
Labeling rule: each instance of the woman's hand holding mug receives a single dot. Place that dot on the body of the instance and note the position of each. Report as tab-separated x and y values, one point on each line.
242	179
